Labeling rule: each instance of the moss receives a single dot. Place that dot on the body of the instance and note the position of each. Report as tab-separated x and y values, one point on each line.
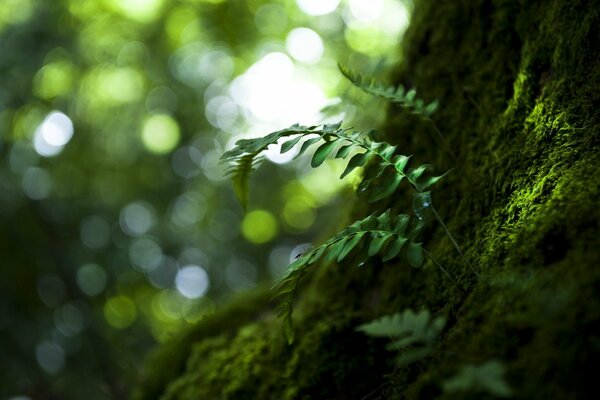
518	82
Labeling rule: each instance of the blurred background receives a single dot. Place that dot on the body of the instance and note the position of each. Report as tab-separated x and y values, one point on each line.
117	226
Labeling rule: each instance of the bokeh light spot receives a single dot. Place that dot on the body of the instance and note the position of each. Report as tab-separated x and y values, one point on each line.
145	254
36	183
69	320
91	279
50	356
160	134
53	80
137	218
304	45
192	281
259	226
53	134
120	312
137	10
94	232
318	7
299	213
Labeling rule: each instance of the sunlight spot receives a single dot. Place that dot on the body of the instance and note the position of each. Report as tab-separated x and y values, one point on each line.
299	213
145	254
137	218
366	11
50	356
279	259
274	92
36	183
318	7
54	79
120	312
69	320
91	279
259	226
192	281
137	10
304	45
53	134
160	134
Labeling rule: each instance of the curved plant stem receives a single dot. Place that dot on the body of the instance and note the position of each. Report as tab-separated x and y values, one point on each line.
436	262
443	140
456	246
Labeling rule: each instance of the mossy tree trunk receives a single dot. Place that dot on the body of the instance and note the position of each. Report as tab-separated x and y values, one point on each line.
519	88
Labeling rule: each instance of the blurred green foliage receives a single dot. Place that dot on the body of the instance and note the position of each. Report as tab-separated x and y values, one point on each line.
117	224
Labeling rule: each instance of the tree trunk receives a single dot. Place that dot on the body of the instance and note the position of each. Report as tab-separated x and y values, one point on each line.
518	84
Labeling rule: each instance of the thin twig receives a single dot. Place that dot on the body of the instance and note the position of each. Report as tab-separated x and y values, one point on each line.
456	246
443	140
436	262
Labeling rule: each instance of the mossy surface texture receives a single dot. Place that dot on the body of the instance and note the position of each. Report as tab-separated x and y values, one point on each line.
519	89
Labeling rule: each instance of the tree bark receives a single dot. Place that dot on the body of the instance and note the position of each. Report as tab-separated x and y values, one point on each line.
518	84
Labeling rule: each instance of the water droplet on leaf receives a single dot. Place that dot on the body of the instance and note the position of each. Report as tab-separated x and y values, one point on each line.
422	205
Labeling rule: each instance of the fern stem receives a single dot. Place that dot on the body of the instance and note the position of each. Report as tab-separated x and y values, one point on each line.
436	262
443	140
456	246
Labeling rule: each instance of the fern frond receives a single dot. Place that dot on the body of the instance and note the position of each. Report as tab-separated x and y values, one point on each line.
239	173
396	94
407	329
246	150
388	173
488	377
384	234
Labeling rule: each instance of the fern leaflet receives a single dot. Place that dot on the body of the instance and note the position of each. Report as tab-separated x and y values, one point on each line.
396	94
384	234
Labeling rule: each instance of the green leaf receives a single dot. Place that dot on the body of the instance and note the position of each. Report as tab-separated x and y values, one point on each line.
330	128
394	248
287	146
369	223
335	250
400	162
321	153
414	174
316	254
386	326
414	254
431	108
412	355
400	224
387	151
306	145
377	243
358	160
350	245
344	151
384	221
431	181
386	189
